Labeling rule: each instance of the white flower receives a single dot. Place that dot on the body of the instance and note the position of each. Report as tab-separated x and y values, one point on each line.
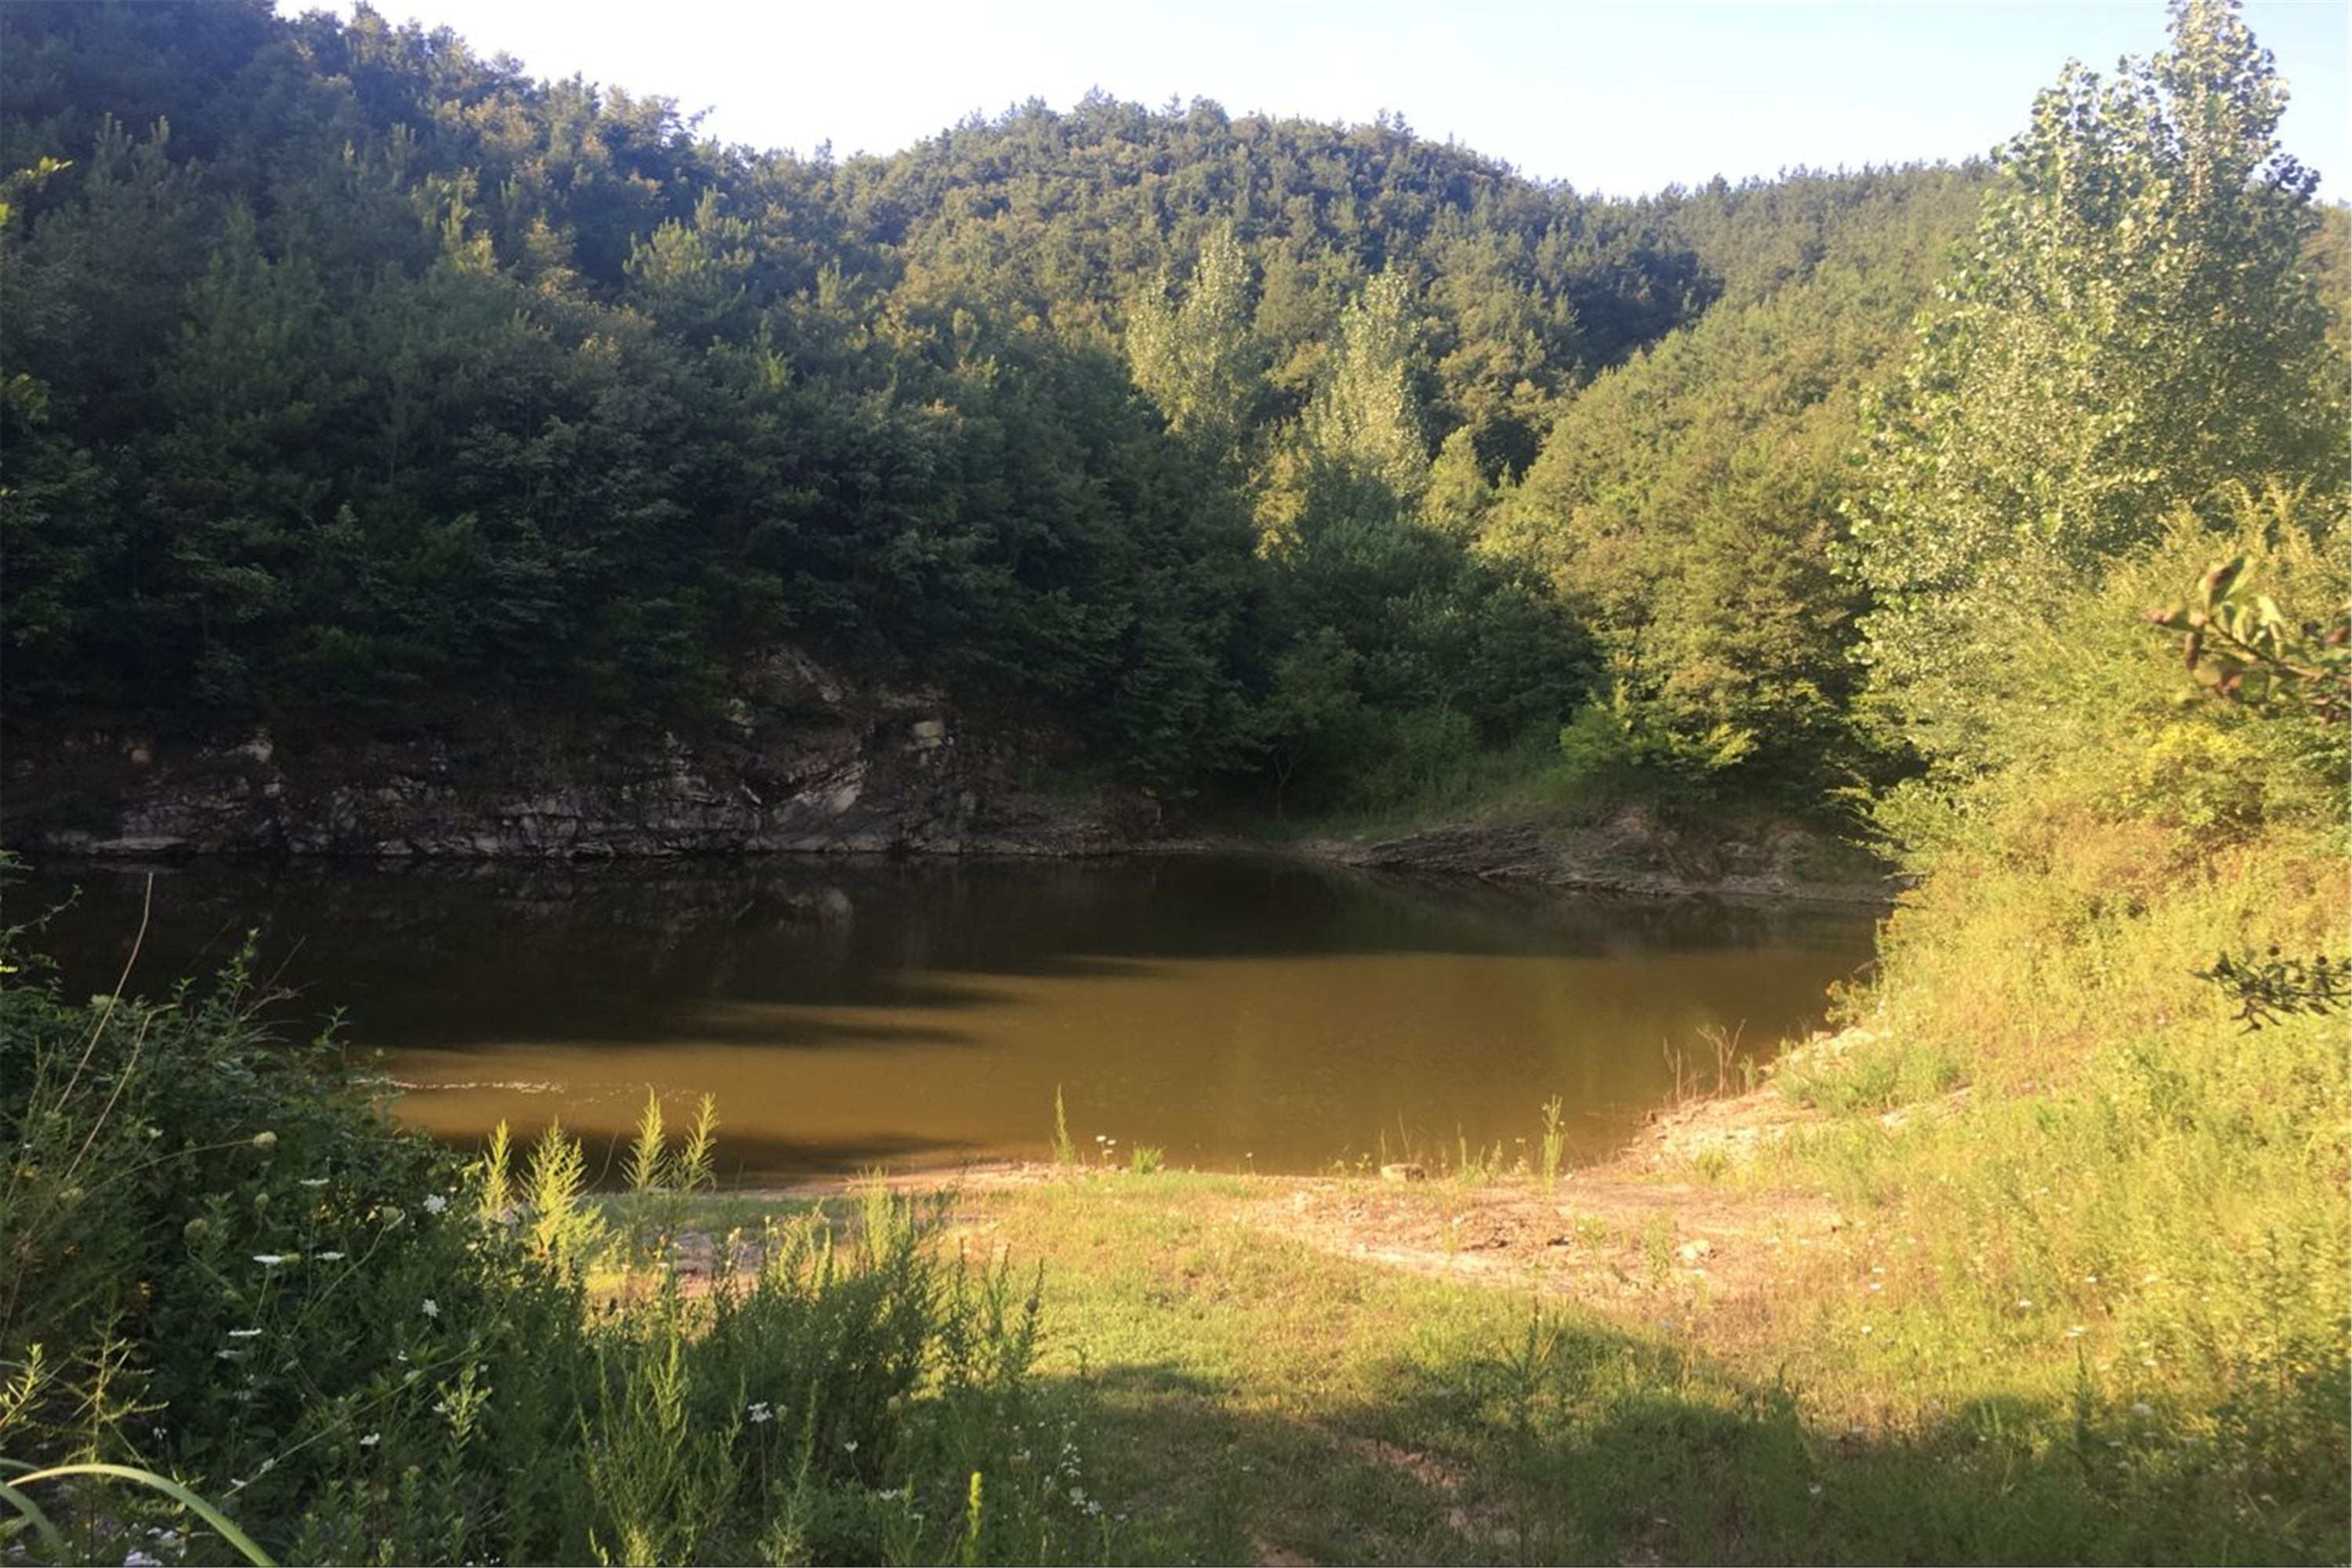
327	1257
270	1259
371	1441
313	1182
138	1559
2140	1407
245	1333
431	1309
435	1203
850	1447
760	1413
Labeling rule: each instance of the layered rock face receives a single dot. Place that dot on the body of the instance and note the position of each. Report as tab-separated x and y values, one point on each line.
803	766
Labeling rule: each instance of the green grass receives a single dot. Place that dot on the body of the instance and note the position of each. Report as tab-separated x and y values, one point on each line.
1254	1394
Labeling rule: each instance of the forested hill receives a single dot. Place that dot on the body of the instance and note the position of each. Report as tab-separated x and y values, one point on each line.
354	383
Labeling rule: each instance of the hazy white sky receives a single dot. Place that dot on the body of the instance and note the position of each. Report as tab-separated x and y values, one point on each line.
1608	95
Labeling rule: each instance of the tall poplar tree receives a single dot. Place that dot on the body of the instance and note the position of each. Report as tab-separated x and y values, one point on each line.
2134	328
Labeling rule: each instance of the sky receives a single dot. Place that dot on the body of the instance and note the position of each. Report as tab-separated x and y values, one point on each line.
1610	96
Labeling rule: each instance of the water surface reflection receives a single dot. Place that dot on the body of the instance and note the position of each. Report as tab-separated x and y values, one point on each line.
1233	1011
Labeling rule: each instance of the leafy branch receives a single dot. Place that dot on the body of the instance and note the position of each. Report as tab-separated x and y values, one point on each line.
2238	647
2268	988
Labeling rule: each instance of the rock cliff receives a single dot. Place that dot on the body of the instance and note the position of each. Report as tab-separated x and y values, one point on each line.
802	766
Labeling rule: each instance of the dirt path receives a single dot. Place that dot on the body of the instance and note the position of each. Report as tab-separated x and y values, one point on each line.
1594	1238
1622	1234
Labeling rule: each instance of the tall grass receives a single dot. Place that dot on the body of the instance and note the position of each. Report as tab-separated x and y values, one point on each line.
221	1267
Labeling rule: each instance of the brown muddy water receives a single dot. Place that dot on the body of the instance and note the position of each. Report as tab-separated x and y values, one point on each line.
1239	1014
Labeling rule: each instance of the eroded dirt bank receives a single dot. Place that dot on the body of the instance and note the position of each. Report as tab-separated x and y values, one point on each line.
1633	850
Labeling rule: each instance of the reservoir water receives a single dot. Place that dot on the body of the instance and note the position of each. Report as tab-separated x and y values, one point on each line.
1237	1013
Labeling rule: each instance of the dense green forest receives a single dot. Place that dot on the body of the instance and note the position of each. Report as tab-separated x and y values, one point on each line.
355	383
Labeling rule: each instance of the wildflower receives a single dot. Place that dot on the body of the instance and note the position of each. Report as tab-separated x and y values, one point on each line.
1814	1490
2076	1333
312	1181
435	1203
760	1414
270	1259
2142	1408
226	1355
264	1139
327	1257
1078	1495
371	1441
2024	1304
138	1559
245	1333
431	1309
850	1447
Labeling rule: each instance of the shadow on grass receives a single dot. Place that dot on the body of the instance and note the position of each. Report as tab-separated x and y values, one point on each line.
1584	1444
